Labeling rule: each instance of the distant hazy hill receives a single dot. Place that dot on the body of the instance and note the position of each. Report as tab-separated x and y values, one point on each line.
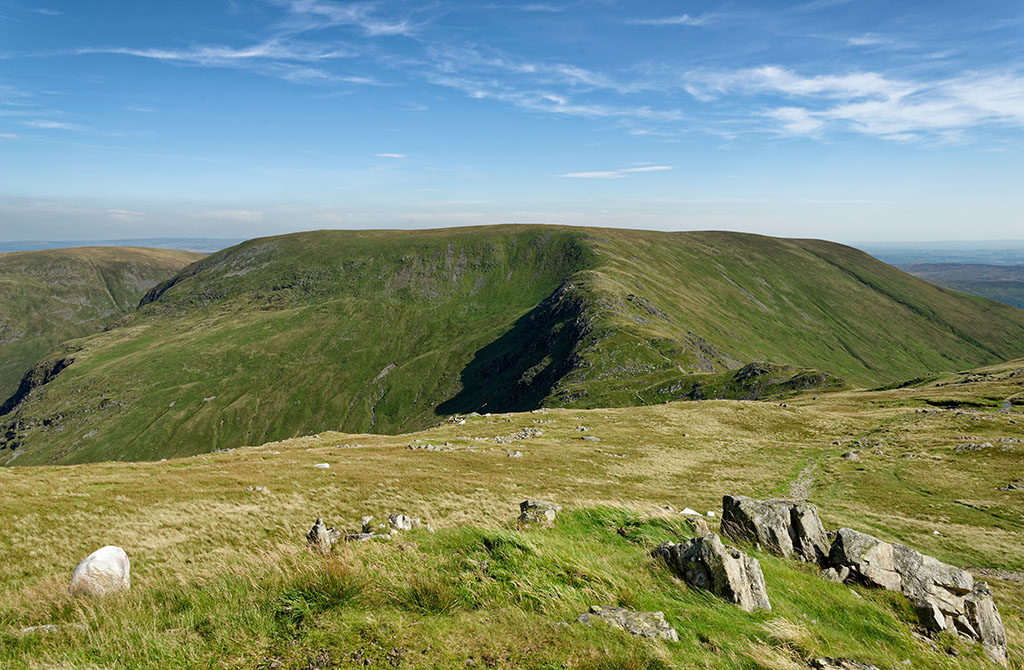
385	331
205	245
47	297
1004	283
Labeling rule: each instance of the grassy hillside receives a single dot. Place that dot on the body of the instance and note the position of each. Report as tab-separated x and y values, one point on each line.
1004	283
388	331
221	577
47	297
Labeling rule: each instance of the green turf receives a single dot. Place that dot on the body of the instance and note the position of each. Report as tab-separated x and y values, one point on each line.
47	297
389	331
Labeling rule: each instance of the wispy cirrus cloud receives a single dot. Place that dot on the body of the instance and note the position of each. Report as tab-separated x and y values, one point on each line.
390	155
46	11
309	15
681	20
131	216
621	173
46	124
287	59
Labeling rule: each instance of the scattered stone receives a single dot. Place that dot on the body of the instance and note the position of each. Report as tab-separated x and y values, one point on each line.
538	511
711	513
1011	487
840	664
851	456
784	527
690	512
323	466
513	454
519	435
321	538
258	489
705	563
591	438
366	524
105	571
582	428
643	624
402	522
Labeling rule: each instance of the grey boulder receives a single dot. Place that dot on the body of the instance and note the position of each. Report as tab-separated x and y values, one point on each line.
783	527
707	564
945	597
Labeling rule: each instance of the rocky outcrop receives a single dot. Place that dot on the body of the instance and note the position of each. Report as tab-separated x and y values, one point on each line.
705	563
643	624
946	597
321	538
538	511
103	572
785	528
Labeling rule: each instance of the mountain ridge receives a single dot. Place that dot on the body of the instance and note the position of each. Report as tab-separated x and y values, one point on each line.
49	296
390	331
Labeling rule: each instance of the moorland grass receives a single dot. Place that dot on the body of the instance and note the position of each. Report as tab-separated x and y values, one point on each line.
221	576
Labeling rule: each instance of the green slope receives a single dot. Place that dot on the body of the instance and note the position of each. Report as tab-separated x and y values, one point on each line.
384	331
50	296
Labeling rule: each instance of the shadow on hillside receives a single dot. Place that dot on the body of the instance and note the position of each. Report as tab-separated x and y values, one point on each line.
518	370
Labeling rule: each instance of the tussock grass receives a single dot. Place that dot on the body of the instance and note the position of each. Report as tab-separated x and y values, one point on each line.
221	577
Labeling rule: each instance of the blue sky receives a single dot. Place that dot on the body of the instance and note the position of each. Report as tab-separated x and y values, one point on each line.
843	119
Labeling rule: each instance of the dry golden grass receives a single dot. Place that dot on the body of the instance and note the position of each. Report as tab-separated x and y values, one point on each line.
192	521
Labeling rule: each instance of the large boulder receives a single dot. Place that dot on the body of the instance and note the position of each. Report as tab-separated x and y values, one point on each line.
945	597
869	560
644	624
103	572
783	527
705	563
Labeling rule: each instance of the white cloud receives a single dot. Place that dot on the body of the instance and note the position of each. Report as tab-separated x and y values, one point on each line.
241	215
875	104
538	7
796	121
320	14
46	12
287	59
682	20
390	155
614	174
126	215
55	125
9	136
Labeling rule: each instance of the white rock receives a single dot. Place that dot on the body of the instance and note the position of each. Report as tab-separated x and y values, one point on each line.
710	513
690	511
104	571
322	466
